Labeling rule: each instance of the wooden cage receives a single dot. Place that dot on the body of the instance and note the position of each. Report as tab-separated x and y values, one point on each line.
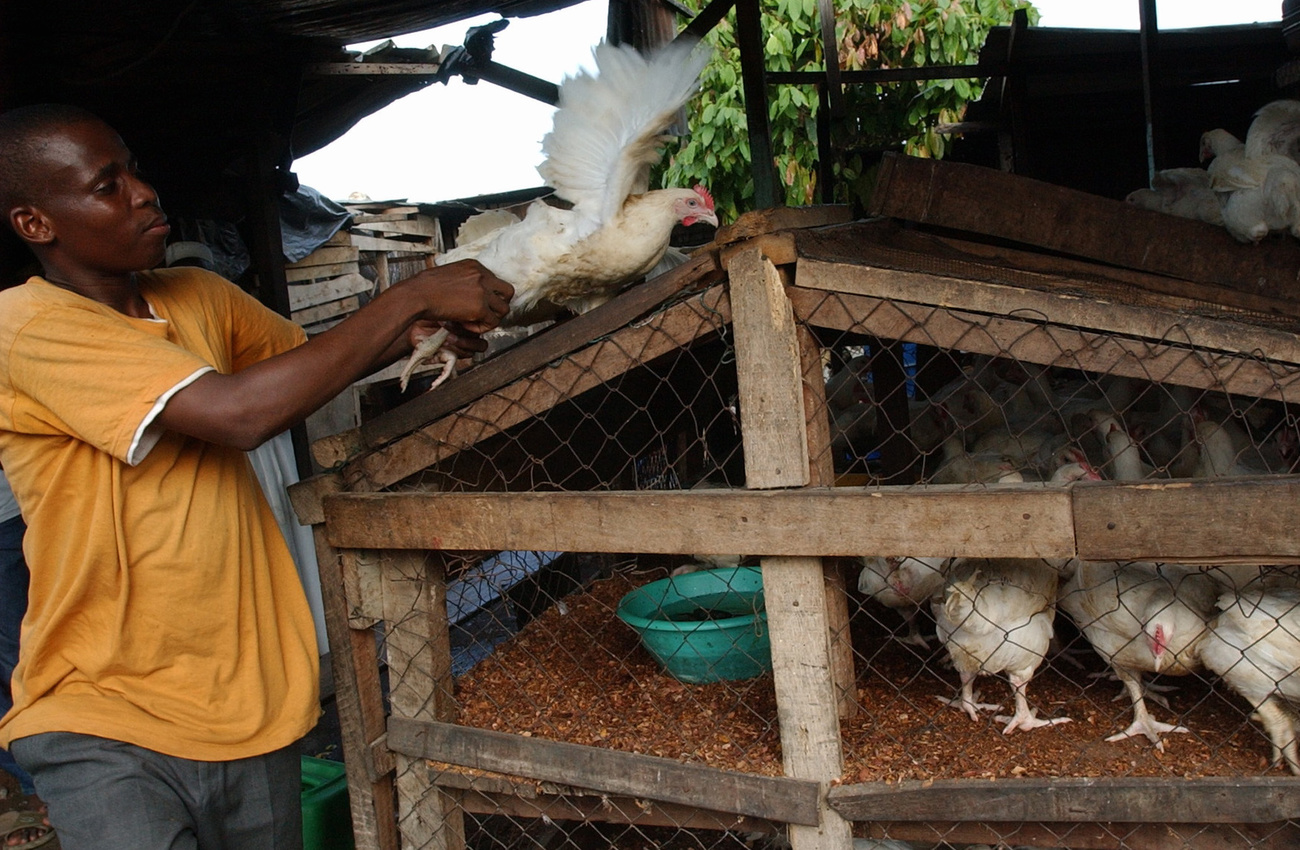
591	437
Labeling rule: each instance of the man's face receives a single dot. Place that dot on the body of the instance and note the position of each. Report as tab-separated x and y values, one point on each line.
102	217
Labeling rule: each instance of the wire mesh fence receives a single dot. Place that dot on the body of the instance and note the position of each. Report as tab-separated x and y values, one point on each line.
963	668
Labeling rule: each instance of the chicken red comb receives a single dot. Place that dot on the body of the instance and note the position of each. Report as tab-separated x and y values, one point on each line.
704	193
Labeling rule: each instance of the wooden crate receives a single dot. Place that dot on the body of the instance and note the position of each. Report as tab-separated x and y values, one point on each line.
460	470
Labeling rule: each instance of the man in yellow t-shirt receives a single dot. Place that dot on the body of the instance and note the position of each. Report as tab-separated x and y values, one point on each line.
168	658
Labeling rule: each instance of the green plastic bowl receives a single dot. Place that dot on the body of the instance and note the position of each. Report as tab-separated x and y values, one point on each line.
706	626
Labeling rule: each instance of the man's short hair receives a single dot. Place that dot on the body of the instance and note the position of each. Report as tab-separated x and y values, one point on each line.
23	134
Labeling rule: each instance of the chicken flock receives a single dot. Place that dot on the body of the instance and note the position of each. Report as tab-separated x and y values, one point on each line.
1006	422
606	135
1251	187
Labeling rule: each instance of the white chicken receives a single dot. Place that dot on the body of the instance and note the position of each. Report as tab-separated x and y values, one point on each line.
1275	130
1254	644
1258	194
1184	192
1141	620
904	584
996	616
606	135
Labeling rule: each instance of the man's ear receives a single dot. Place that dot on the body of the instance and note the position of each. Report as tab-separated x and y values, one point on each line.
31	225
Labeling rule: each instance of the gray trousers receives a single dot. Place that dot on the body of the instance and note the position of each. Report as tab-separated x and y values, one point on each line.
108	795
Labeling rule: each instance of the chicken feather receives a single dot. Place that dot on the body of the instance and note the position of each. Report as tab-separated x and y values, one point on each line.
605	136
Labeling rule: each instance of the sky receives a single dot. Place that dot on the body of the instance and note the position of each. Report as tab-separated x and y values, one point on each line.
456	141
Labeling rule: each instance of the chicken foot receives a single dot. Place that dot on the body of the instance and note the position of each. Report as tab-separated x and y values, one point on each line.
424	353
1143	723
1024	718
968	701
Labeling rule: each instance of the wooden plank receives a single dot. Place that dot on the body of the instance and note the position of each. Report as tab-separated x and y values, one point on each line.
419	226
1098	836
1241	520
302	295
362	588
768	372
358	696
1075	800
375	243
1027	339
956	195
321	272
1064	308
1006	520
390	214
322	312
677	326
327	256
605	808
371	69
417	640
609	771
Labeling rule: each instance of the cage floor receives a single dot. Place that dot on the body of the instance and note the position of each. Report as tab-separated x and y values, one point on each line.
577	674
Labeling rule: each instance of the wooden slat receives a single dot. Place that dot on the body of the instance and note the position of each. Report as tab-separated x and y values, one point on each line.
956	195
1028	339
769	370
420	226
608	771
330	310
375	243
303	295
518	361
1097	836
1009	520
1161	326
390	214
1242	520
1075	800
327	256
321	272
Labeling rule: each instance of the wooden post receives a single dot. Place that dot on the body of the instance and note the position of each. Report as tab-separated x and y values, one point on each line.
359	701
775	434
420	688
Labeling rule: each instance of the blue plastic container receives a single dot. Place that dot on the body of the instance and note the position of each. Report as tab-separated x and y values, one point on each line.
705	626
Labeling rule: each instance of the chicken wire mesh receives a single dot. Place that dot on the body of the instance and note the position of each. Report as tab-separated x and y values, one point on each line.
963	668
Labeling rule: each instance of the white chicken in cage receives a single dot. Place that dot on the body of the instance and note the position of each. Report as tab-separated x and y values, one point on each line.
905	584
1254	644
1141	619
996	616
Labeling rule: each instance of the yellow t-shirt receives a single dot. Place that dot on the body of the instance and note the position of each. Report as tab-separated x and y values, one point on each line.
165	610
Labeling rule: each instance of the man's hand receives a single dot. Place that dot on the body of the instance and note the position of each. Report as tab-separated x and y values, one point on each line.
464	293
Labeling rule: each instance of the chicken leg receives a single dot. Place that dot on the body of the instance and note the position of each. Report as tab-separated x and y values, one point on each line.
968	702
424	352
1024	719
1281	728
1143	723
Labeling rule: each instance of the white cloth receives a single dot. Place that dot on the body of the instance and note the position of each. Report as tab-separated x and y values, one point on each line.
276	469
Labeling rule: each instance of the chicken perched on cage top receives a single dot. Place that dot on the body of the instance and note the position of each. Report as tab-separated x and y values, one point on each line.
1254	644
904	584
605	137
1258	193
1141	619
996	616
